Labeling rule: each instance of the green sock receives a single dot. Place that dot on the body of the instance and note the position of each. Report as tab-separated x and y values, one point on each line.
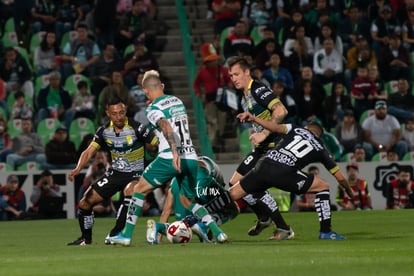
162	228
200	212
134	211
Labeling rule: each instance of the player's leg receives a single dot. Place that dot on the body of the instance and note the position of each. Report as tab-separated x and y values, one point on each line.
323	208
85	216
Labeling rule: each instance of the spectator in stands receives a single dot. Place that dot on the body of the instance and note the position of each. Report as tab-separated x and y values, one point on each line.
12	199
401	103
375	7
82	102
289	16
44	17
399	192
105	21
27	147
139	60
360	54
288	101
80	54
60	152
363	91
44	189
385	25
328	63
239	42
299	58
349	132
327	30
394	61
309	104
373	74
209	78
322	7
276	72
21	108
351	26
16	73
46	57
317	88
258	75
392	155
69	15
298	35
359	186
108	62
6	143
382	132
136	24
260	13
359	153
138	94
408	133
262	60
54	101
116	88
267	34
226	14
335	105
407	31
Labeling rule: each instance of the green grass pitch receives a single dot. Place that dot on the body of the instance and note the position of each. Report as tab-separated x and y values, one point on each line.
378	243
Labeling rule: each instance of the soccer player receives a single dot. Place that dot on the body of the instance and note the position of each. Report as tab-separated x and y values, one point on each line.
210	183
298	148
124	139
261	101
176	158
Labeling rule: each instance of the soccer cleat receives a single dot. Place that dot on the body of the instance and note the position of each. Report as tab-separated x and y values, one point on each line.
221	238
259	227
107	241
330	236
152	232
201	231
120	239
282	234
80	241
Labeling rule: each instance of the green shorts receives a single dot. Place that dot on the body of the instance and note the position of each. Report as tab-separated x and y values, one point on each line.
161	170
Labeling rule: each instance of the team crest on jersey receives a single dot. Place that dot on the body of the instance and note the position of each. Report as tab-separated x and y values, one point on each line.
129	140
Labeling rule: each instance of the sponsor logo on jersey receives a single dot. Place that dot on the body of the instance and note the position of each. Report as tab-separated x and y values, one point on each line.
281	158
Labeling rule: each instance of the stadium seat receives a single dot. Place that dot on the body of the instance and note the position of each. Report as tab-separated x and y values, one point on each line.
9	39
379	156
25	55
4	167
35	41
72	82
40	82
348	157
257	34
79	128
129	49
46	129
14	127
9	25
328	89
29	166
11	100
391	86
3	113
67	37
409	156
224	34
365	115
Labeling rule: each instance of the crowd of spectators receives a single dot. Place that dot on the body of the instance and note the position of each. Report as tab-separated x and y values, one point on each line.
338	61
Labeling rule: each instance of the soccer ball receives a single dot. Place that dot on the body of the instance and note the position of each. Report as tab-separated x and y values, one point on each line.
179	232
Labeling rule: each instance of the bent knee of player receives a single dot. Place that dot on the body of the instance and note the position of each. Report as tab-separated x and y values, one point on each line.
143	187
89	199
129	189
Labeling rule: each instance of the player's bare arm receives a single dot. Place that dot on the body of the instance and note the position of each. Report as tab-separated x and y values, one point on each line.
344	183
168	133
83	161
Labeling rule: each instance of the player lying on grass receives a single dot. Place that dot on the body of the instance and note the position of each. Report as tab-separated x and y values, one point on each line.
210	183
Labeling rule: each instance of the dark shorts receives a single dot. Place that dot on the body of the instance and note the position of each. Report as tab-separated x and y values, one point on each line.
268	174
249	162
112	182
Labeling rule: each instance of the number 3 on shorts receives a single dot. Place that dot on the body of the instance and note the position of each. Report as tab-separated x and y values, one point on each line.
102	182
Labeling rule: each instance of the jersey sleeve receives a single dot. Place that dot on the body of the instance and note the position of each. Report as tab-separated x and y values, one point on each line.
154	115
98	141
145	134
328	162
263	95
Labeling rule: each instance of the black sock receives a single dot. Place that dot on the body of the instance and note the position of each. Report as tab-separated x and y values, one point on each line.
323	207
273	210
121	217
260	209
86	220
